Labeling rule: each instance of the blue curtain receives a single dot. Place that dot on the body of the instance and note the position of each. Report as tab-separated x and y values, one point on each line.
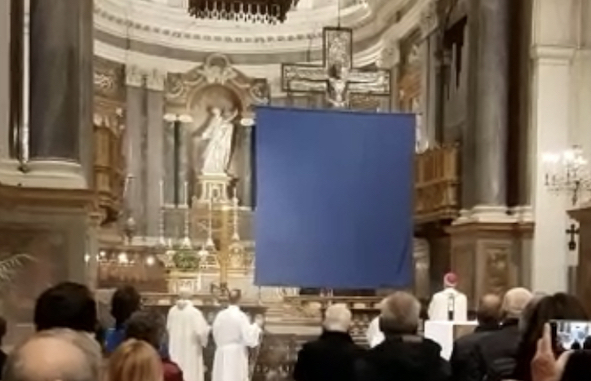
334	198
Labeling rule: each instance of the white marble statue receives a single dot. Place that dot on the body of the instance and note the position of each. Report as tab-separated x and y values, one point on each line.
449	304
219	133
188	334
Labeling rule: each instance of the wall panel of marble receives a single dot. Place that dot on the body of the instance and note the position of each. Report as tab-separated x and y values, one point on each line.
56	242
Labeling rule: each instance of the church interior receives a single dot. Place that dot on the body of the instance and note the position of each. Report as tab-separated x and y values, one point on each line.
126	135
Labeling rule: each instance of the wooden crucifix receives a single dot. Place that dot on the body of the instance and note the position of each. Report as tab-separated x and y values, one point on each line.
336	78
572	232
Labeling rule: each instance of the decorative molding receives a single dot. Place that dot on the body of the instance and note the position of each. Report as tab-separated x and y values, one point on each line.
553	54
429	20
134	75
154	78
147	25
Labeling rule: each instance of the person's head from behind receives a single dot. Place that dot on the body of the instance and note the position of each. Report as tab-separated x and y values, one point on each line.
135	360
515	302
56	354
400	314
337	318
146	325
66	305
234	297
124	302
559	306
489	310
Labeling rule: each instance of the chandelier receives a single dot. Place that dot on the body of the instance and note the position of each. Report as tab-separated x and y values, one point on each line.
566	172
262	11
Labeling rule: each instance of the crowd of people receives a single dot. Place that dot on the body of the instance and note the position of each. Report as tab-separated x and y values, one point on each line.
513	341
71	345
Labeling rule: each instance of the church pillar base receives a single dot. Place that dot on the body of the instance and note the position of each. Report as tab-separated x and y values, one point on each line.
214	188
488	255
48	174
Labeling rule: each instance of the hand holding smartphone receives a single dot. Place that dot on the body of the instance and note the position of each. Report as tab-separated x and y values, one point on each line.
571	334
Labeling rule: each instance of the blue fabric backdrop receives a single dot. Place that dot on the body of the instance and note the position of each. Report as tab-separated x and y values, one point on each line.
334	198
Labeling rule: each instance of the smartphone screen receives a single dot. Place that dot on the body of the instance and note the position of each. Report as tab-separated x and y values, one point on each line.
571	334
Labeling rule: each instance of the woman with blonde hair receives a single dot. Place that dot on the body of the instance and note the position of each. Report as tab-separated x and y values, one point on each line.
135	360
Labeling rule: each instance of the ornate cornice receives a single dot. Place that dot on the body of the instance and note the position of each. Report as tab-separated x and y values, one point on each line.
303	29
136	76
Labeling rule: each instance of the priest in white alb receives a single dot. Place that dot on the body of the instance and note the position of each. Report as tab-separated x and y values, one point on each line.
374	334
233	334
449	304
188	333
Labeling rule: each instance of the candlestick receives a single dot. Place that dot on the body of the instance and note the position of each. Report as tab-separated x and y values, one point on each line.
186	185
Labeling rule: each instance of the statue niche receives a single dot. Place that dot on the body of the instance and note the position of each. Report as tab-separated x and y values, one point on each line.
218	145
218	139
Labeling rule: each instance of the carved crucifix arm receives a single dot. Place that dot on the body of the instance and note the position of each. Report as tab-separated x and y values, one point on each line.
369	82
302	78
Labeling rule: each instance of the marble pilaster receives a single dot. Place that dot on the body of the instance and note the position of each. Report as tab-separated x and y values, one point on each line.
155	157
61	86
5	25
550	120
489	24
133	145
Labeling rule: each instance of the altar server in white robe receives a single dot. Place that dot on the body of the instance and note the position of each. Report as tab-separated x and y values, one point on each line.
449	304
233	335
188	333
374	334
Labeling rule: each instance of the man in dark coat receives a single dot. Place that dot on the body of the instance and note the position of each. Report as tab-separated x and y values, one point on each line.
493	357
333	356
489	316
403	355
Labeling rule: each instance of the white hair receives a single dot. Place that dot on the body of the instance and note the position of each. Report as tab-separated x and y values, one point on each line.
515	301
337	318
27	364
400	313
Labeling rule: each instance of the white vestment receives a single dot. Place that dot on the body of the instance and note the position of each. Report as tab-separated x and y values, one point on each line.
187	336
374	334
446	300
233	334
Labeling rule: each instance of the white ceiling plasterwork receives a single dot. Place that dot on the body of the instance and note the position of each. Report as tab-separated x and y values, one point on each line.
382	49
157	23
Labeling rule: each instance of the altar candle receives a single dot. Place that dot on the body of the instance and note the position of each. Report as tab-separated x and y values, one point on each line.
161	193
186	193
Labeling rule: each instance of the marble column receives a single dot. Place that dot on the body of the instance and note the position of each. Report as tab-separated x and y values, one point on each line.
155	145
135	93
5	26
488	93
61	86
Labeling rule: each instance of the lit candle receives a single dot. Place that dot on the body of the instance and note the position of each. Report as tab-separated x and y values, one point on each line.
161	193
186	193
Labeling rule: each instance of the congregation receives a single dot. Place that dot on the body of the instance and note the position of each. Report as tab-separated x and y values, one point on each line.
512	341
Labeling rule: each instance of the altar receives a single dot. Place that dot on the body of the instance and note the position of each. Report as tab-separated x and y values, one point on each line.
445	333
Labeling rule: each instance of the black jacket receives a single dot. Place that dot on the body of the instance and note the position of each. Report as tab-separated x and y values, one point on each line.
493	357
333	356
462	351
404	358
